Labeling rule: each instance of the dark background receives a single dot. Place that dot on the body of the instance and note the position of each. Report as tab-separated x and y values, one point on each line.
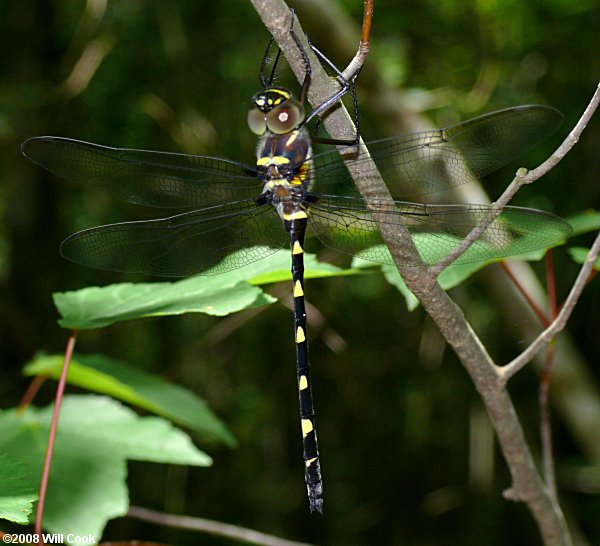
400	425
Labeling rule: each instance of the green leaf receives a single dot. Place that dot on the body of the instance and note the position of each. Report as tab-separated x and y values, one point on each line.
278	269
96	307
96	436
449	278
579	255
453	275
585	222
118	379
17	492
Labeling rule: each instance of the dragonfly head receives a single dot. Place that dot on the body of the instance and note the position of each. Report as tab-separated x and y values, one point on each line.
275	109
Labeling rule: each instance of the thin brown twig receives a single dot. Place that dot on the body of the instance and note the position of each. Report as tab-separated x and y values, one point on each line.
530	301
39	515
522	177
550	283
31	391
211	527
568	143
561	319
357	62
545	426
546	379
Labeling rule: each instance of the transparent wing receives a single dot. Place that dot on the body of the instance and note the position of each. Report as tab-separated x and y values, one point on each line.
158	179
183	245
346	224
431	161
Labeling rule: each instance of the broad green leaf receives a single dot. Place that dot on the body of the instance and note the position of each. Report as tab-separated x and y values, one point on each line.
452	276
449	278
118	379
313	269
95	438
585	222
96	307
444	245
391	274
579	255
17	491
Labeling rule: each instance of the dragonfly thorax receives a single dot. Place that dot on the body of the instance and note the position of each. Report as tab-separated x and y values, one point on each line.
284	168
284	157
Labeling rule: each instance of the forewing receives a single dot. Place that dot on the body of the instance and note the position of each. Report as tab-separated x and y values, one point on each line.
183	245
431	161
157	179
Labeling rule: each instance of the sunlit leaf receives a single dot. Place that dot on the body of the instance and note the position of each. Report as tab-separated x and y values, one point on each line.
450	277
96	307
313	269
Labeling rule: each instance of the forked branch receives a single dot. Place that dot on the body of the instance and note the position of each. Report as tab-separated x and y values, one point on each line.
561	319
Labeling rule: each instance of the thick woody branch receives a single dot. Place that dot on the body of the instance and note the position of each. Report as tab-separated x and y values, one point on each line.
527	485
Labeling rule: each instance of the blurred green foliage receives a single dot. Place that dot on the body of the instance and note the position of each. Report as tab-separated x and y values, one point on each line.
395	409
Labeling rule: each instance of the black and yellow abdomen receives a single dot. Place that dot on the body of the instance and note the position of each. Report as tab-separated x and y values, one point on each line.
285	169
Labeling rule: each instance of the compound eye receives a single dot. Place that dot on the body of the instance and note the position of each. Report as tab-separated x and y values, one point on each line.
286	117
257	121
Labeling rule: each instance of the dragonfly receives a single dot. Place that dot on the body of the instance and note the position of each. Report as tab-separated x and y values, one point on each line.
237	213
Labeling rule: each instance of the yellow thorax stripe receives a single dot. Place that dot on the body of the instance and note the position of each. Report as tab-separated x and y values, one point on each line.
301	176
291	139
276	159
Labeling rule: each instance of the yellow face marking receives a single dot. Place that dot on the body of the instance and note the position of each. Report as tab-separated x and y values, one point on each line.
310	461
307	426
298	291
297	249
300	337
303	383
